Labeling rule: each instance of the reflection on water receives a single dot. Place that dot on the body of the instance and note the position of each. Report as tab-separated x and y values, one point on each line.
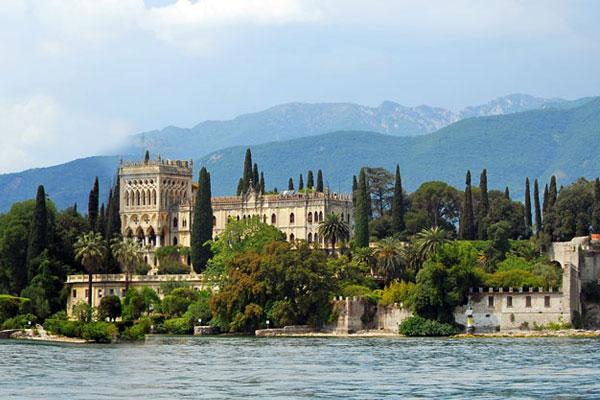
367	368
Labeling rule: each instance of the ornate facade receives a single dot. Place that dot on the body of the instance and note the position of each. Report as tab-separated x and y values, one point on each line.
157	198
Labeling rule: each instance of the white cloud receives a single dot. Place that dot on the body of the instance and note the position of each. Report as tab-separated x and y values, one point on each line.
38	131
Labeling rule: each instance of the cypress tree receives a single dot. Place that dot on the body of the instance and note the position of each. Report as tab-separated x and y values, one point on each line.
203	223
300	183
528	219
247	177
467	225
536	204
113	221
147	157
275	190
240	187
101	221
552	193
320	181
93	205
255	178
310	182
362	218
484	207
398	204
545	205
261	186
506	193
596	207
354	188
291	184
38	233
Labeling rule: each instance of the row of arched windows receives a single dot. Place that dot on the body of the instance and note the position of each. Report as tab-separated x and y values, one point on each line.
140	198
318	217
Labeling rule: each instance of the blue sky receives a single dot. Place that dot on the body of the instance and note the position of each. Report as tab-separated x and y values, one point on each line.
76	77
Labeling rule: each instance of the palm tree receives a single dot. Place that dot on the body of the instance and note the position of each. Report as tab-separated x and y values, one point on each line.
333	228
128	253
390	258
429	241
365	256
90	250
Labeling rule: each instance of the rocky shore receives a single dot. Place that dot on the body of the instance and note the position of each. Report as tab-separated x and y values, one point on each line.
39	334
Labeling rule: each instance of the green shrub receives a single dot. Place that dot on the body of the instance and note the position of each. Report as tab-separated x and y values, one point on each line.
63	327
398	292
139	330
20	322
11	306
110	307
100	332
355	290
419	326
180	326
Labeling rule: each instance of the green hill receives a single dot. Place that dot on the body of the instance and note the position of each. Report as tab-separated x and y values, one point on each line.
563	141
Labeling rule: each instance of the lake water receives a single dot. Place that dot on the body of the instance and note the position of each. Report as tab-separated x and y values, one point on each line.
357	368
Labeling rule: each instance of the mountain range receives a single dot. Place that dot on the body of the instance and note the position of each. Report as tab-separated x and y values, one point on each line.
554	137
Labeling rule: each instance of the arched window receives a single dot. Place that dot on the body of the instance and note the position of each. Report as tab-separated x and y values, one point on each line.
321	216
292	237
149	197
316	237
342	217
238	217
214	221
310	238
143	198
292	218
175	241
264	219
126	198
154	197
273	219
309	217
137	197
175	222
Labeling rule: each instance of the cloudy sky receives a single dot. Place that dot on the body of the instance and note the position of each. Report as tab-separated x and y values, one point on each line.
77	76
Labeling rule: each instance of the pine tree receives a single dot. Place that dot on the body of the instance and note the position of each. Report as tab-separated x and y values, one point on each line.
398	205
202	223
247	177
93	205
536	204
596	207
38	232
528	219
319	181
484	207
291	184
240	187
354	188
467	225
361	238
506	193
255	178
261	186
300	183
310	182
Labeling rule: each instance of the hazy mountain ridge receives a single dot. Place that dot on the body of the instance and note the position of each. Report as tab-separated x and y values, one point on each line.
295	120
561	140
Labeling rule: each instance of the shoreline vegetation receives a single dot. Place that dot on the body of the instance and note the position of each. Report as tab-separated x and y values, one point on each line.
422	251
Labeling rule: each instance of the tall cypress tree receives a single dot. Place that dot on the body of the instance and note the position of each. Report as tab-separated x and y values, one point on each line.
545	205
247	177
320	181
203	223
38	233
596	207
147	157
300	183
101	221
354	188
467	225
528	219
484	207
255	178
261	185
361	238
398	204
310	182
536	204
506	193
240	187
291	184
113	221
93	205
552	192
